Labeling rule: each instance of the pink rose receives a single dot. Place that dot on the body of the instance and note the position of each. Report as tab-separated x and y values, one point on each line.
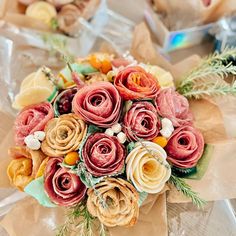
141	122
185	147
170	104
32	118
103	155
63	187
98	104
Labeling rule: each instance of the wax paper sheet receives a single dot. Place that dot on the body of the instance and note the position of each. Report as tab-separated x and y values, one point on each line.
153	218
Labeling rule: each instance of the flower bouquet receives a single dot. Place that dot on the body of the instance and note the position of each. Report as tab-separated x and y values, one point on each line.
105	133
50	15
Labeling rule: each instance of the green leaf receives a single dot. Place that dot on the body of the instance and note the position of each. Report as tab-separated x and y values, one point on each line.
91	130
183	172
80	222
130	147
53	95
83	68
72	168
199	170
203	163
182	186
94	129
128	104
142	198
88	179
36	189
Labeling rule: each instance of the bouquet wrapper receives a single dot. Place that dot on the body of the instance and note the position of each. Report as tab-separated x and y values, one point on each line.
44	221
195	12
215	118
13	12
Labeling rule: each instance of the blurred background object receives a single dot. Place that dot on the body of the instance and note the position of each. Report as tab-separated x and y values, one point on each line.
179	26
225	33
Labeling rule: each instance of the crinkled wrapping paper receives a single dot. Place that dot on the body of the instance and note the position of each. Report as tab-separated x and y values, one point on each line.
192	13
217	124
104	25
13	12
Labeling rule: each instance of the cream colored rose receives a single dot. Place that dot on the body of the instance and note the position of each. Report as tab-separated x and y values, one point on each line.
63	135
120	202
164	77
35	88
147	167
43	11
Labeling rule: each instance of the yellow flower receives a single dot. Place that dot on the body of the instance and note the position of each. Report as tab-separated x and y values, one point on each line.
43	11
63	135
120	199
24	166
35	88
164	77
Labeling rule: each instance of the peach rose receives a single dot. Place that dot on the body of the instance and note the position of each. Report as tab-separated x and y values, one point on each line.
135	83
63	135
24	166
120	199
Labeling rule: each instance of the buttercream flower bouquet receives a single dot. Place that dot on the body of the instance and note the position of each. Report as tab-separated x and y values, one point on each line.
102	135
60	16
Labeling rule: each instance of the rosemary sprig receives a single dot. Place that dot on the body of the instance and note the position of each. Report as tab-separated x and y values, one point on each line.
214	89
80	220
48	73
207	77
103	230
139	140
68	60
223	56
81	171
71	215
182	186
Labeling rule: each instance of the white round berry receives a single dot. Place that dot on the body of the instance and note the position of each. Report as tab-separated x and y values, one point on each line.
166	132
40	135
171	128
28	138
116	128
109	132
121	137
166	122
33	144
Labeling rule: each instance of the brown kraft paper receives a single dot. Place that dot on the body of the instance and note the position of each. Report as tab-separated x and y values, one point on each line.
215	118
